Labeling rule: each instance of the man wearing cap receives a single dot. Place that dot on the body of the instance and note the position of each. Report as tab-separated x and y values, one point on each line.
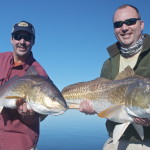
19	128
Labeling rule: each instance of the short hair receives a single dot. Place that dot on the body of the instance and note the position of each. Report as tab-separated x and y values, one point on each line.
128	5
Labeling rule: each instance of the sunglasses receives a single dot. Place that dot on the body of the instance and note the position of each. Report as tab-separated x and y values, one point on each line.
128	22
26	37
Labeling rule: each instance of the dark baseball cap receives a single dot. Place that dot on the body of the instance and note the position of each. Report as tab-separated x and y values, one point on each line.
23	26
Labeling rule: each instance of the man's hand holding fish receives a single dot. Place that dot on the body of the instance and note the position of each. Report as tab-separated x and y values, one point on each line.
23	109
86	107
142	121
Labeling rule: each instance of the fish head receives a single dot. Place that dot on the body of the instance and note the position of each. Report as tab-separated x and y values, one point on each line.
138	98
48	99
54	103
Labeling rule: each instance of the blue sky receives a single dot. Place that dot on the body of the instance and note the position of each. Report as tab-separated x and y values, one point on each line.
71	35
71	41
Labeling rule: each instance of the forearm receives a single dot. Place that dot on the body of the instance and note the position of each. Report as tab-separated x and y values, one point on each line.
27	116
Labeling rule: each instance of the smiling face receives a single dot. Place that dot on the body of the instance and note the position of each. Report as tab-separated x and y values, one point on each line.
128	35
22	43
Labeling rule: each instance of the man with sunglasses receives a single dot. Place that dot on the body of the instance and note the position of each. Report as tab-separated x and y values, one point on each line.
19	128
133	49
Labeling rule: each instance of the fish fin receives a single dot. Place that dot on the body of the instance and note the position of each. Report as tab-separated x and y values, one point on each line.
131	113
139	129
110	111
31	71
119	130
128	72
14	97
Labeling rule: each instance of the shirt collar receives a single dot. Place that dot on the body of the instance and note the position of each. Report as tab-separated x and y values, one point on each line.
25	65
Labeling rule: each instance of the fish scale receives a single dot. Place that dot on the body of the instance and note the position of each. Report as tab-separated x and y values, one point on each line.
38	92
118	100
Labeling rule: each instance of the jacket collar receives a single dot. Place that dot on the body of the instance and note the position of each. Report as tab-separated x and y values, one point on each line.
115	48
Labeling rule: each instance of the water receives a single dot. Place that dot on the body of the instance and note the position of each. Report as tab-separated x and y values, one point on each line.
72	131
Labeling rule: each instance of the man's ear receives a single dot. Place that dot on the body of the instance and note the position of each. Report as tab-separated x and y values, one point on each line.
33	41
11	39
142	25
